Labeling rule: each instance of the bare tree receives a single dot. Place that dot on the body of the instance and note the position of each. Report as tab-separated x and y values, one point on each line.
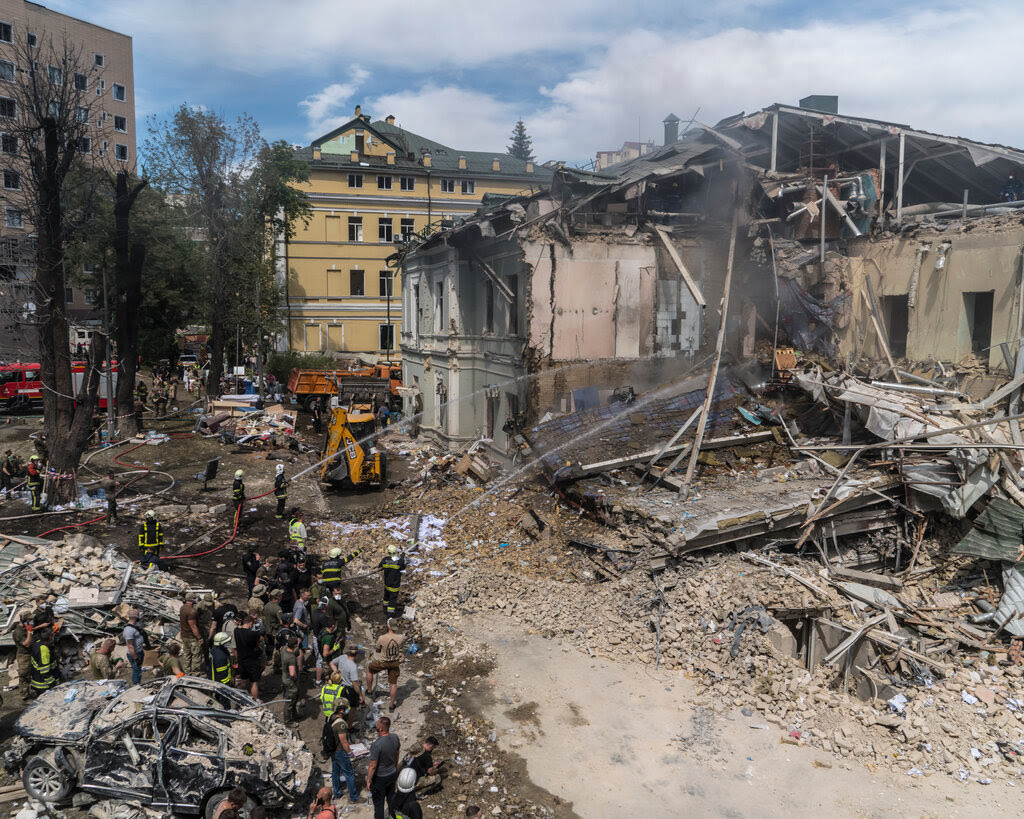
49	121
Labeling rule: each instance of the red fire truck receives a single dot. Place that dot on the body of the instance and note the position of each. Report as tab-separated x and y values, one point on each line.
20	387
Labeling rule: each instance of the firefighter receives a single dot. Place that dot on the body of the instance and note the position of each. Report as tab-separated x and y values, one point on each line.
35	483
151	540
297	530
280	491
141	391
333	565
392	565
220	659
44	662
238	492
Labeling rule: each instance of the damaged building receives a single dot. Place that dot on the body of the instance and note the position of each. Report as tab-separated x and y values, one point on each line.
860	241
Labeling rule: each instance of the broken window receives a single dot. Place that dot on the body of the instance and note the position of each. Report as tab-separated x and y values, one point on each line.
419	309
488	306
896	315
199	738
978	307
492	414
387	336
439	307
513	306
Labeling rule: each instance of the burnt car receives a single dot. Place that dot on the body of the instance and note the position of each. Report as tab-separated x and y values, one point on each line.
174	743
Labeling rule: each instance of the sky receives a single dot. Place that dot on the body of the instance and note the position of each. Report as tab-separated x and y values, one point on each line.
583	76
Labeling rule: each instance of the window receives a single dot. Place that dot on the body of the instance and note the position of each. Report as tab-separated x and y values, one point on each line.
387	284
355	283
81	82
121	124
69	295
492	416
360	142
98	59
12	218
32	40
978	307
121	152
447	186
408	229
82	114
408	183
54	75
468	186
84	145
384	230
12	180
488	306
6	70
355	228
896	315
383	183
8	108
55	109
513	306
6	33
8	143
355	180
419	309
387	337
439	307
119	92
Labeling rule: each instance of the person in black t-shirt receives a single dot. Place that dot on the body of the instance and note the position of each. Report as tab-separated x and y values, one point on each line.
428	774
249	653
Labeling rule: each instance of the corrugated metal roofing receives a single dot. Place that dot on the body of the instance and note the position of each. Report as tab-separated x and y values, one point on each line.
997	532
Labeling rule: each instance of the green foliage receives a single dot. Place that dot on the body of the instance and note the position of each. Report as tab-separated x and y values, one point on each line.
522	145
282	363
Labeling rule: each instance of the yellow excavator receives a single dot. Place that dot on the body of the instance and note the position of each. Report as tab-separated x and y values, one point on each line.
351	439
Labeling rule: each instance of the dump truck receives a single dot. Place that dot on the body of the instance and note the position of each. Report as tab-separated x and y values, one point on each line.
309	386
350	444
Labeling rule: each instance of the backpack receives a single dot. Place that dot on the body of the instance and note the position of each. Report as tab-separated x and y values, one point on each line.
328	739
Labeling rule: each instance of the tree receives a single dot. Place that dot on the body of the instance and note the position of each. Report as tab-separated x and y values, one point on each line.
522	145
47	128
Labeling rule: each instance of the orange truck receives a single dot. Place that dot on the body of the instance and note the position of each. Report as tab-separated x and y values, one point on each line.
309	386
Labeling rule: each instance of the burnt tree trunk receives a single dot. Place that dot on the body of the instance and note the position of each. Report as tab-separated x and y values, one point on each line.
128	261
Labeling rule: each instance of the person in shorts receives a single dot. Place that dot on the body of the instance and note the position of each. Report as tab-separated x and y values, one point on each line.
387	655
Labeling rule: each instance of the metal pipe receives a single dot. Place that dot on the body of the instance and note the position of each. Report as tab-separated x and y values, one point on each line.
914	388
917	378
840	210
824	213
979	209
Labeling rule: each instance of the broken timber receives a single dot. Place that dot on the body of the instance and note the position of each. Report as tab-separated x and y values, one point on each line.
677	260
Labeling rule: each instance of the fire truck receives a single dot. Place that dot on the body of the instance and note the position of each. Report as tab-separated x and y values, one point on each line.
21	388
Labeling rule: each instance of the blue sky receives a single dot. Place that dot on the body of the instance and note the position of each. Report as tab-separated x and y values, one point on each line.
584	75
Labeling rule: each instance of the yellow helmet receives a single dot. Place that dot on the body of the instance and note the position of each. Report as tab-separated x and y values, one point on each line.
392	550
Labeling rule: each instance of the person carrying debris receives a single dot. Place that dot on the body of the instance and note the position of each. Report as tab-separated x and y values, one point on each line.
388	653
22	635
100	664
35	483
110	487
297	530
238	493
290	680
170	661
404	804
44	662
280	491
392	565
151	540
428	773
334	564
220	659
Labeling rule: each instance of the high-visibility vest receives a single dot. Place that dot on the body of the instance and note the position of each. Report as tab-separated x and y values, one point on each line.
42	667
330	694
295	527
151	536
220	665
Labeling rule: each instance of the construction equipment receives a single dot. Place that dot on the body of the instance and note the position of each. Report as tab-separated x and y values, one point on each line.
309	386
351	440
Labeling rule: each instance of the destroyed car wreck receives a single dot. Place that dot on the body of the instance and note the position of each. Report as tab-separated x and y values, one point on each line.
177	744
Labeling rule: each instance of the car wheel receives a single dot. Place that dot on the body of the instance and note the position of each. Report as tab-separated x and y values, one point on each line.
43	780
215	798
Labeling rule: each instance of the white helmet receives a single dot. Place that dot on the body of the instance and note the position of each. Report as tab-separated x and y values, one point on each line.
238	473
150	514
280	469
221	638
335	552
392	550
407	780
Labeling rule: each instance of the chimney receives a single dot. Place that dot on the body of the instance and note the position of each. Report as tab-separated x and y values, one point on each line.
354	156
495	164
462	163
316	153
391	157
390	119
671	123
529	167
825	103
359	111
426	160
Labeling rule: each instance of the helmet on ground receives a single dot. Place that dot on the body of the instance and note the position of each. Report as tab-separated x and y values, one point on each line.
392	550
221	638
150	514
280	469
335	552
406	780
238	473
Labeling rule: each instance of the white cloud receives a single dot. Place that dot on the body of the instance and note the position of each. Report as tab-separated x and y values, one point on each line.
329	108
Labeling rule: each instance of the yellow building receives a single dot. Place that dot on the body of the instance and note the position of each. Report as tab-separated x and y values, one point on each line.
371	186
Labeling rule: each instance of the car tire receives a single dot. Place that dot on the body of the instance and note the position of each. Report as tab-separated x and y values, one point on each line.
45	781
215	798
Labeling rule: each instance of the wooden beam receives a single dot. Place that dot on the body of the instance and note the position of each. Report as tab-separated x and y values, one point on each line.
501	287
674	254
880	581
670	443
640	457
